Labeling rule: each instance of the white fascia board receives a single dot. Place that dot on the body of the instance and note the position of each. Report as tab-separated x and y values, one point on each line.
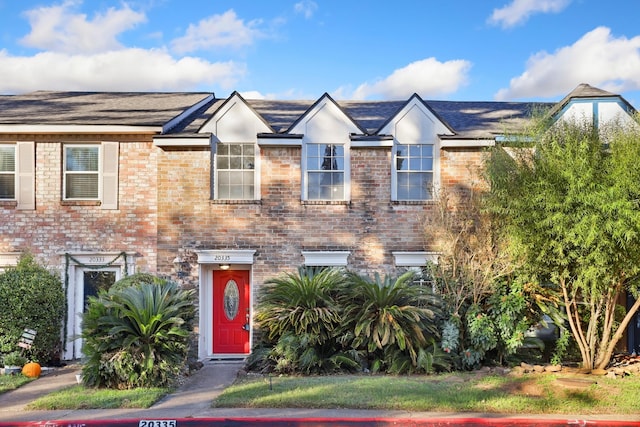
203	141
86	129
186	113
280	142
371	143
467	143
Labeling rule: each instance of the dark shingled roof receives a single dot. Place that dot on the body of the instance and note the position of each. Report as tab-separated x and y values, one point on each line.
465	119
96	108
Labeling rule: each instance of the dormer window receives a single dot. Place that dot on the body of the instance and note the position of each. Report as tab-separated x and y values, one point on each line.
325	172
413	168
235	171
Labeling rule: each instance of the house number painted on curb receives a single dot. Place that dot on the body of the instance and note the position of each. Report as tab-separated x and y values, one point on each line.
157	423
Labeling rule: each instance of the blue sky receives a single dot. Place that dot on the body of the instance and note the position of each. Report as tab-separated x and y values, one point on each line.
476	50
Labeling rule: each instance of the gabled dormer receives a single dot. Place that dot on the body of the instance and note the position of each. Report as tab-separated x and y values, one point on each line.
415	168
325	130
595	106
234	129
235	121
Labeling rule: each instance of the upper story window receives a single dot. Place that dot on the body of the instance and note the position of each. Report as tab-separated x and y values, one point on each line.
235	172
326	172
90	172
7	172
81	172
413	171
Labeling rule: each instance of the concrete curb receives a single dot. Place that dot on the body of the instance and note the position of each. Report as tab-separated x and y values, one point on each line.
332	422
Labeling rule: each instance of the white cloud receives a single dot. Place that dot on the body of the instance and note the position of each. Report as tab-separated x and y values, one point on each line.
427	77
218	31
126	69
519	11
306	7
58	29
598	59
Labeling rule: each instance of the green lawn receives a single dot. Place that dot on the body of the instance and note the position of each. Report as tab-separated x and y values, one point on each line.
455	392
458	392
81	397
11	382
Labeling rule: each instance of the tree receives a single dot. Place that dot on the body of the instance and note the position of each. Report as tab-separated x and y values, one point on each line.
569	205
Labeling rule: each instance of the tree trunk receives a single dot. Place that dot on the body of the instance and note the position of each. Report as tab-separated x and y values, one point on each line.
603	361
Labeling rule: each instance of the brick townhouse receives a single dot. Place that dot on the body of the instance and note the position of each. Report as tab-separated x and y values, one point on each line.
222	194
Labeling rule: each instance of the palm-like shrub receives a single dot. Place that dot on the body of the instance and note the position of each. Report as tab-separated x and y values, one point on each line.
382	315
138	335
301	304
299	318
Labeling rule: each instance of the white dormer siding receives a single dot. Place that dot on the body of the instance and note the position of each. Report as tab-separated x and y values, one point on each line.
235	171
416	151
600	112
326	129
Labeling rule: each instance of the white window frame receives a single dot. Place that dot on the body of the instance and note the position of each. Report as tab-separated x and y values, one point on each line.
346	171
13	173
66	172
433	171
108	173
255	170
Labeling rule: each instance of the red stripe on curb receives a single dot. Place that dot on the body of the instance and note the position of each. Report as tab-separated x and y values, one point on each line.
333	422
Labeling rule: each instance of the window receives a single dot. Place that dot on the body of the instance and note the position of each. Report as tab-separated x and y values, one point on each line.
81	172
7	172
325	172
413	171
91	173
235	171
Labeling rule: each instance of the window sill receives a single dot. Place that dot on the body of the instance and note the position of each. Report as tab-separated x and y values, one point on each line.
325	202
235	202
80	203
8	203
412	202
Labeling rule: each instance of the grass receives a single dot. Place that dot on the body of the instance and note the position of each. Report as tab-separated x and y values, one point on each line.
457	392
81	397
11	382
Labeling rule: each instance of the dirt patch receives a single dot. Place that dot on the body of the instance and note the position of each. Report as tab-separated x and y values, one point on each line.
527	387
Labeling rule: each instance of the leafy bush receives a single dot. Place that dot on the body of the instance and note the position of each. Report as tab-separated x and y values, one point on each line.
299	318
137	333
31	297
385	315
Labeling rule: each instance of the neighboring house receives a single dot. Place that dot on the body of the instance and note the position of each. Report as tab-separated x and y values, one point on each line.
222	194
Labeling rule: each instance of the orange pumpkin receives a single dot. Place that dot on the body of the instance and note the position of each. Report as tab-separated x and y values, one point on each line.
31	370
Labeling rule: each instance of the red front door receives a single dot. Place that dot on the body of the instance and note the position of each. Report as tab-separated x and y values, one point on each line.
231	312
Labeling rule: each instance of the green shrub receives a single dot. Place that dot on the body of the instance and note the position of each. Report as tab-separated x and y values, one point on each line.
137	333
389	318
31	297
299	319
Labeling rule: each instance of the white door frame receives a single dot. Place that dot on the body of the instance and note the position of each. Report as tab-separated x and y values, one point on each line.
75	270
208	262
